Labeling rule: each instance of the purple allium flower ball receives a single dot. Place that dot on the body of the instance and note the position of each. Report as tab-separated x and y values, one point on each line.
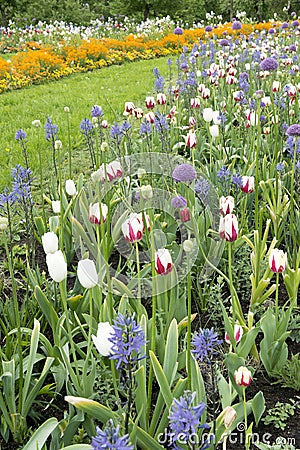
236	25
271	31
178	202
269	64
285	25
224	42
184	172
178	31
293	130
208	28
295	23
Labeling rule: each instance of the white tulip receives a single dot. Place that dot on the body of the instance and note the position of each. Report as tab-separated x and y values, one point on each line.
207	114
87	273
102	344
214	130
57	266
70	187
56	206
50	242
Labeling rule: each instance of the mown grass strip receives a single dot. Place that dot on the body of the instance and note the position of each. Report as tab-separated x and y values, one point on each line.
109	87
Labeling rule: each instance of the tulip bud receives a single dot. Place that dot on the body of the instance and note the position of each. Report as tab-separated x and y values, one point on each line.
3	223
185	215
214	131
229	416
226	205
277	260
58	145
238	333
207	114
147	192
248	184
70	188
243	376
87	273
150	117
150	102
97	215
216	117
50	242
161	99
195	102
56	206
191	139
163	261
228	228
133	228
192	122
129	108
57	266
188	246
101	340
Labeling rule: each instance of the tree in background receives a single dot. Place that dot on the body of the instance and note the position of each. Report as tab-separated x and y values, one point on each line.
182	11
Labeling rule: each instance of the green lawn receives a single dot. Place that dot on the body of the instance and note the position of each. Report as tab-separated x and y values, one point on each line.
109	87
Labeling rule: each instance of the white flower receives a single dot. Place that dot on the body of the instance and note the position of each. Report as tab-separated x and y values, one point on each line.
214	130
56	206
58	145
70	187
207	114
87	273
50	242
36	123
102	344
147	192
57	266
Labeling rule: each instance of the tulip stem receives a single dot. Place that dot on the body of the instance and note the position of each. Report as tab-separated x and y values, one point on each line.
276	298
63	295
189	325
139	290
247	444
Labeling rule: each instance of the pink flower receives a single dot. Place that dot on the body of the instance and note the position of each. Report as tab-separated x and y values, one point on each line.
150	102
243	376
248	184
133	228
228	228
226	205
129	108
107	172
195	102
161	99
191	139
97	215
238	333
277	260
150	116
163	261
185	215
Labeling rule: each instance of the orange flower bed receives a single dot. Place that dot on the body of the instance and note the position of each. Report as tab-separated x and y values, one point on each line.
46	62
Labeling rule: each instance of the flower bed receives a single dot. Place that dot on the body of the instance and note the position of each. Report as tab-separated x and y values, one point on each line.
166	290
71	55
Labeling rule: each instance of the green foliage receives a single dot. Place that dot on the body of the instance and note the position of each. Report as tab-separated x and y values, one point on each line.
273	347
289	376
279	415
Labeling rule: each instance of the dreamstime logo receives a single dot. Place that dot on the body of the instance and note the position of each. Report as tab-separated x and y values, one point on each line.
126	196
235	437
